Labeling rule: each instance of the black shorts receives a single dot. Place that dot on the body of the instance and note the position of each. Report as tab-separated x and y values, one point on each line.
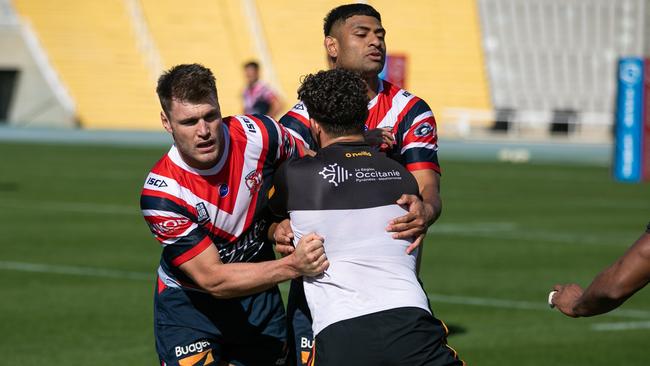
402	336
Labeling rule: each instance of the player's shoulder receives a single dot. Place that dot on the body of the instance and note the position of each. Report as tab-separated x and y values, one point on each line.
297	112
400	93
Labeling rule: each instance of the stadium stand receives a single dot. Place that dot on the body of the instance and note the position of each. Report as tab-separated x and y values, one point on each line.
294	38
213	33
551	59
445	59
92	47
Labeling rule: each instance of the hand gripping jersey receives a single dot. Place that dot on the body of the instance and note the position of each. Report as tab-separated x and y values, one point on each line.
408	116
188	209
351	198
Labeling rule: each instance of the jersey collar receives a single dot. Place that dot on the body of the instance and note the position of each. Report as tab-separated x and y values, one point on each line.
176	158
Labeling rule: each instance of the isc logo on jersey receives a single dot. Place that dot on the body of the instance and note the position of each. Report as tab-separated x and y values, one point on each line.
160	183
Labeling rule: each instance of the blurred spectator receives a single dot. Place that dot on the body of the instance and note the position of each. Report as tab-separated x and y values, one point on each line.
259	97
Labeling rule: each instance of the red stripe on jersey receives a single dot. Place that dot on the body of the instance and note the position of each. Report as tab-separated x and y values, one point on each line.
299	117
411	167
232	171
219	232
196	250
161	285
384	103
260	167
403	113
202	186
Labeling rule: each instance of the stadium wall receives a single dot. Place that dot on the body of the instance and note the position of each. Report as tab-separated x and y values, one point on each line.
38	99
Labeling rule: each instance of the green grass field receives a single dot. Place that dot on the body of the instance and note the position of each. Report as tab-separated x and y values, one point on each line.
77	261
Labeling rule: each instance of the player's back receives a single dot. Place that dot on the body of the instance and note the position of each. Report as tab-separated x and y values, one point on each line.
352	197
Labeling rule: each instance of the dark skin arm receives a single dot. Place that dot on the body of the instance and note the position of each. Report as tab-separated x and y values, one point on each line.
611	287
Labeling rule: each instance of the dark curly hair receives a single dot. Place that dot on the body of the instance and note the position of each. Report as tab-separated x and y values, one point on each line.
188	82
337	100
343	12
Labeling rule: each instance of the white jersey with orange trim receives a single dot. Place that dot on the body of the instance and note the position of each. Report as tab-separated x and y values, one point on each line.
188	209
409	118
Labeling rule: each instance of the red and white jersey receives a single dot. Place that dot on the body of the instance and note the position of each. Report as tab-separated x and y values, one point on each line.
258	98
409	117
188	209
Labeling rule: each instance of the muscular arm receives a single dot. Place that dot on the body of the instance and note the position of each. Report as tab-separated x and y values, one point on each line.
429	185
421	213
241	279
611	287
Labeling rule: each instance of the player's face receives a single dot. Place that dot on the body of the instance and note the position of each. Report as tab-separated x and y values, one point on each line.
251	74
197	133
358	44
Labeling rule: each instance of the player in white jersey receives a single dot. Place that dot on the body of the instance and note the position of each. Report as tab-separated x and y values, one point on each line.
216	300
368	307
399	121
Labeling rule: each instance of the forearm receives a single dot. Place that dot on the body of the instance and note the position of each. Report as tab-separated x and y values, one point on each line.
241	279
602	295
429	188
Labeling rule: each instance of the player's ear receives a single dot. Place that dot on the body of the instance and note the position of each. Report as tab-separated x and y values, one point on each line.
331	46
165	122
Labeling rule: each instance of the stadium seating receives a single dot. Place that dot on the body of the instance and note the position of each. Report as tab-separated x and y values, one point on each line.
293	30
213	33
441	40
92	47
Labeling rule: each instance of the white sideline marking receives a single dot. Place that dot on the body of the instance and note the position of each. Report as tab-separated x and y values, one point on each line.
73	270
80	207
523	305
620	326
448	299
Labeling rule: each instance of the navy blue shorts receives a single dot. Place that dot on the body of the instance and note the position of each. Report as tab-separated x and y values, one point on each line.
300	335
192	327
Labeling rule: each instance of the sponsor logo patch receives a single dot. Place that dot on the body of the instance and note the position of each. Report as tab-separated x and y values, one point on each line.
199	353
362	175
202	213
358	154
299	107
169	226
335	174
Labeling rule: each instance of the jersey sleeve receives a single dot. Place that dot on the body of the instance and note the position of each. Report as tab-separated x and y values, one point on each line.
297	122
172	221
417	133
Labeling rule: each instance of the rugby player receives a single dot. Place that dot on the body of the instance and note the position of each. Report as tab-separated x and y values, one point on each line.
216	299
612	287
368	308
399	122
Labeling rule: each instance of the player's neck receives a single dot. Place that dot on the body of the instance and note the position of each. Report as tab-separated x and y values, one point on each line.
373	85
326	140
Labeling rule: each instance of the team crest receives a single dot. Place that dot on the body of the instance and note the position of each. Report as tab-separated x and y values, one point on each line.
254	181
423	130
